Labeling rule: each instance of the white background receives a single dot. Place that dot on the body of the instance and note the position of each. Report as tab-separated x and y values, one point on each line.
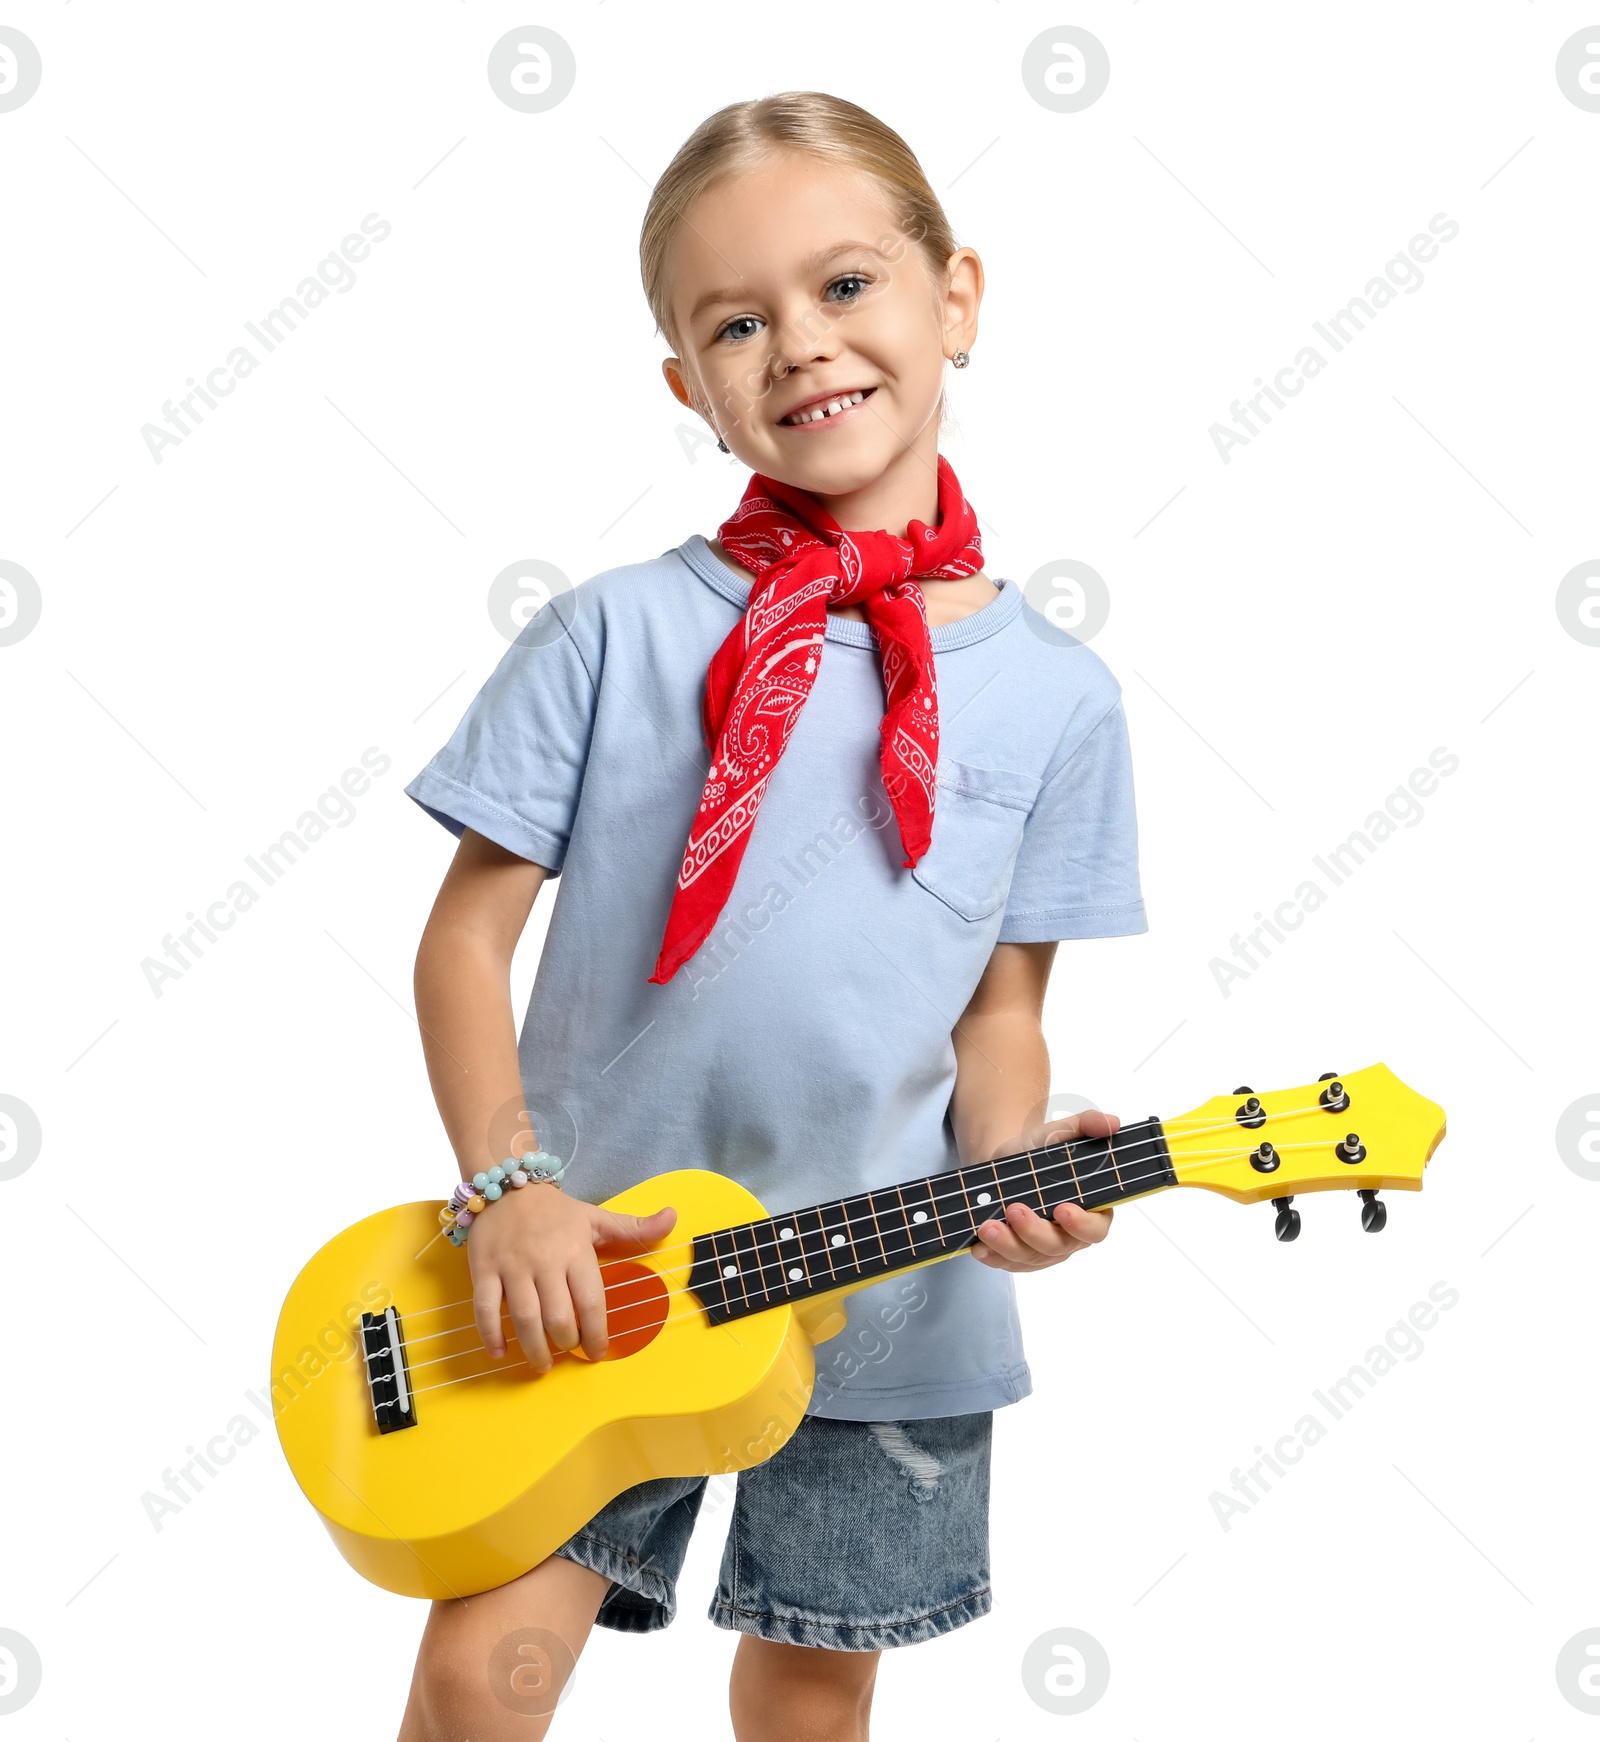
305	576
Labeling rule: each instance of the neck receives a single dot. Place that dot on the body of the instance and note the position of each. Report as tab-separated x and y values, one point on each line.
840	1246
907	489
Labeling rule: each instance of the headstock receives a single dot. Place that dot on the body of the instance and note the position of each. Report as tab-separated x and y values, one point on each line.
1252	1147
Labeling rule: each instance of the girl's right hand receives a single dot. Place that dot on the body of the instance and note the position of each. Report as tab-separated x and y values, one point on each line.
534	1250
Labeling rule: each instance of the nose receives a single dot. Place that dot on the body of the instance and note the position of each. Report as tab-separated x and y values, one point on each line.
781	366
808	344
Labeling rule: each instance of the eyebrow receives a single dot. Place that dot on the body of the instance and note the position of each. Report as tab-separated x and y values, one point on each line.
810	264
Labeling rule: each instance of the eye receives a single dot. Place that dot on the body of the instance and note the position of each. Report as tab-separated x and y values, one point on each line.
738	321
852	278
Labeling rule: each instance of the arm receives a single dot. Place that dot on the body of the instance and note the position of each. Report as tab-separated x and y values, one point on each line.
463	991
534	1250
1002	1063
1002	1088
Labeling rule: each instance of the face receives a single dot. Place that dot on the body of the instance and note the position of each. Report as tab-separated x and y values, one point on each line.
792	281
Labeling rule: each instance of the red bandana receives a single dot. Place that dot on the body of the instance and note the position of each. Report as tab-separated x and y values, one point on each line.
762	674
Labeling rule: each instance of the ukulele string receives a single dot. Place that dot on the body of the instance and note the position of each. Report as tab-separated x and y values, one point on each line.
762	1264
1141	1150
688	1246
694	1311
617	1289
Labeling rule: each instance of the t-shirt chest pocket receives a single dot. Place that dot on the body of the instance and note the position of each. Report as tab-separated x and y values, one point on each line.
978	817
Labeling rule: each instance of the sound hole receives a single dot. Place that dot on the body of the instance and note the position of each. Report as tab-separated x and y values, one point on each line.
636	1308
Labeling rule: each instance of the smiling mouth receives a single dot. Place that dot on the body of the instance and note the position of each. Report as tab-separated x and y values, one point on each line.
827	410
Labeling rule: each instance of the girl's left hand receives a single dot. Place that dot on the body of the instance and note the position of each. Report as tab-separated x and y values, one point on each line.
1026	1241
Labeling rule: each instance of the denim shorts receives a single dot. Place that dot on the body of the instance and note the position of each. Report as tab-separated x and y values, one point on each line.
854	1535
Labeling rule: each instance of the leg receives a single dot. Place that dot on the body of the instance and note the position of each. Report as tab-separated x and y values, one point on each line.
853	1538
800	1693
452	1697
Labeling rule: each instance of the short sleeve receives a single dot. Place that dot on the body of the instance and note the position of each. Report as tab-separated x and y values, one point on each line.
1077	870
513	768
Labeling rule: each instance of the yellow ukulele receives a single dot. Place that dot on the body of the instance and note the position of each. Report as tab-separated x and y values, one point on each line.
441	1472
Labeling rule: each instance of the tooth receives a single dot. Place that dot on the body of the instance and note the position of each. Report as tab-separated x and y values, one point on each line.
831	409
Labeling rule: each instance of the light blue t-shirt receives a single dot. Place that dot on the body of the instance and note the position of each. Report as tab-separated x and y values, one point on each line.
805	1049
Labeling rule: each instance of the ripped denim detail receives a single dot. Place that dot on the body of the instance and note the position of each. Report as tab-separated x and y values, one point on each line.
923	1468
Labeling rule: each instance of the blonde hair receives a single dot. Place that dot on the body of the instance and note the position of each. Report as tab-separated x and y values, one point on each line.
812	124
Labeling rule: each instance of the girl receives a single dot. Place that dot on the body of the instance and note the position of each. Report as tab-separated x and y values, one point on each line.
825	796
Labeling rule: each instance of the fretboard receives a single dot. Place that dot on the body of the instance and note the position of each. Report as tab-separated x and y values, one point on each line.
757	1265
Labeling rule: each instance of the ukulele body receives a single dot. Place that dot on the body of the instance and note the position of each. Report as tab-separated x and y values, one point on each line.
503	1465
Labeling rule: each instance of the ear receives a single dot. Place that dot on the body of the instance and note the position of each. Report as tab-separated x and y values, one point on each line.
961	300
673	370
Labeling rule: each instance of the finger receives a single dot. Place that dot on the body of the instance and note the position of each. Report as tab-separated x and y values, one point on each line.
996	1238
486	1297
526	1318
1090	1123
621	1233
1088	1226
556	1309
1021	1262
1026	1240
1045	1240
587	1287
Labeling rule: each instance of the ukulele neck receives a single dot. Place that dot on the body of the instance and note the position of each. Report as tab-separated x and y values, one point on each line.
853	1241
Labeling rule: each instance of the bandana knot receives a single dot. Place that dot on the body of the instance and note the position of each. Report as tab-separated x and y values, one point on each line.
763	673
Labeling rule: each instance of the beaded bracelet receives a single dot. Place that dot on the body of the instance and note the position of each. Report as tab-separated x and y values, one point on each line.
468	1201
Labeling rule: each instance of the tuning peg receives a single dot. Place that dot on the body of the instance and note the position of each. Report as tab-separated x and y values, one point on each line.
1351	1150
1328	1077
1374	1216
1335	1097
1265	1159
1251	1114
1244	1089
1287	1226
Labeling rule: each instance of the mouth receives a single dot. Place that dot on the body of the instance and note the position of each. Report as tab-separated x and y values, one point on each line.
825	408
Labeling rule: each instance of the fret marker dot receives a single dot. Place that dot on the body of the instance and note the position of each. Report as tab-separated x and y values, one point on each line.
730	1270
920	1216
983	1197
796	1274
786	1233
838	1240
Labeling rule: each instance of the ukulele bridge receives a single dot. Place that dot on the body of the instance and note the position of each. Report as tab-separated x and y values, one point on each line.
388	1377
